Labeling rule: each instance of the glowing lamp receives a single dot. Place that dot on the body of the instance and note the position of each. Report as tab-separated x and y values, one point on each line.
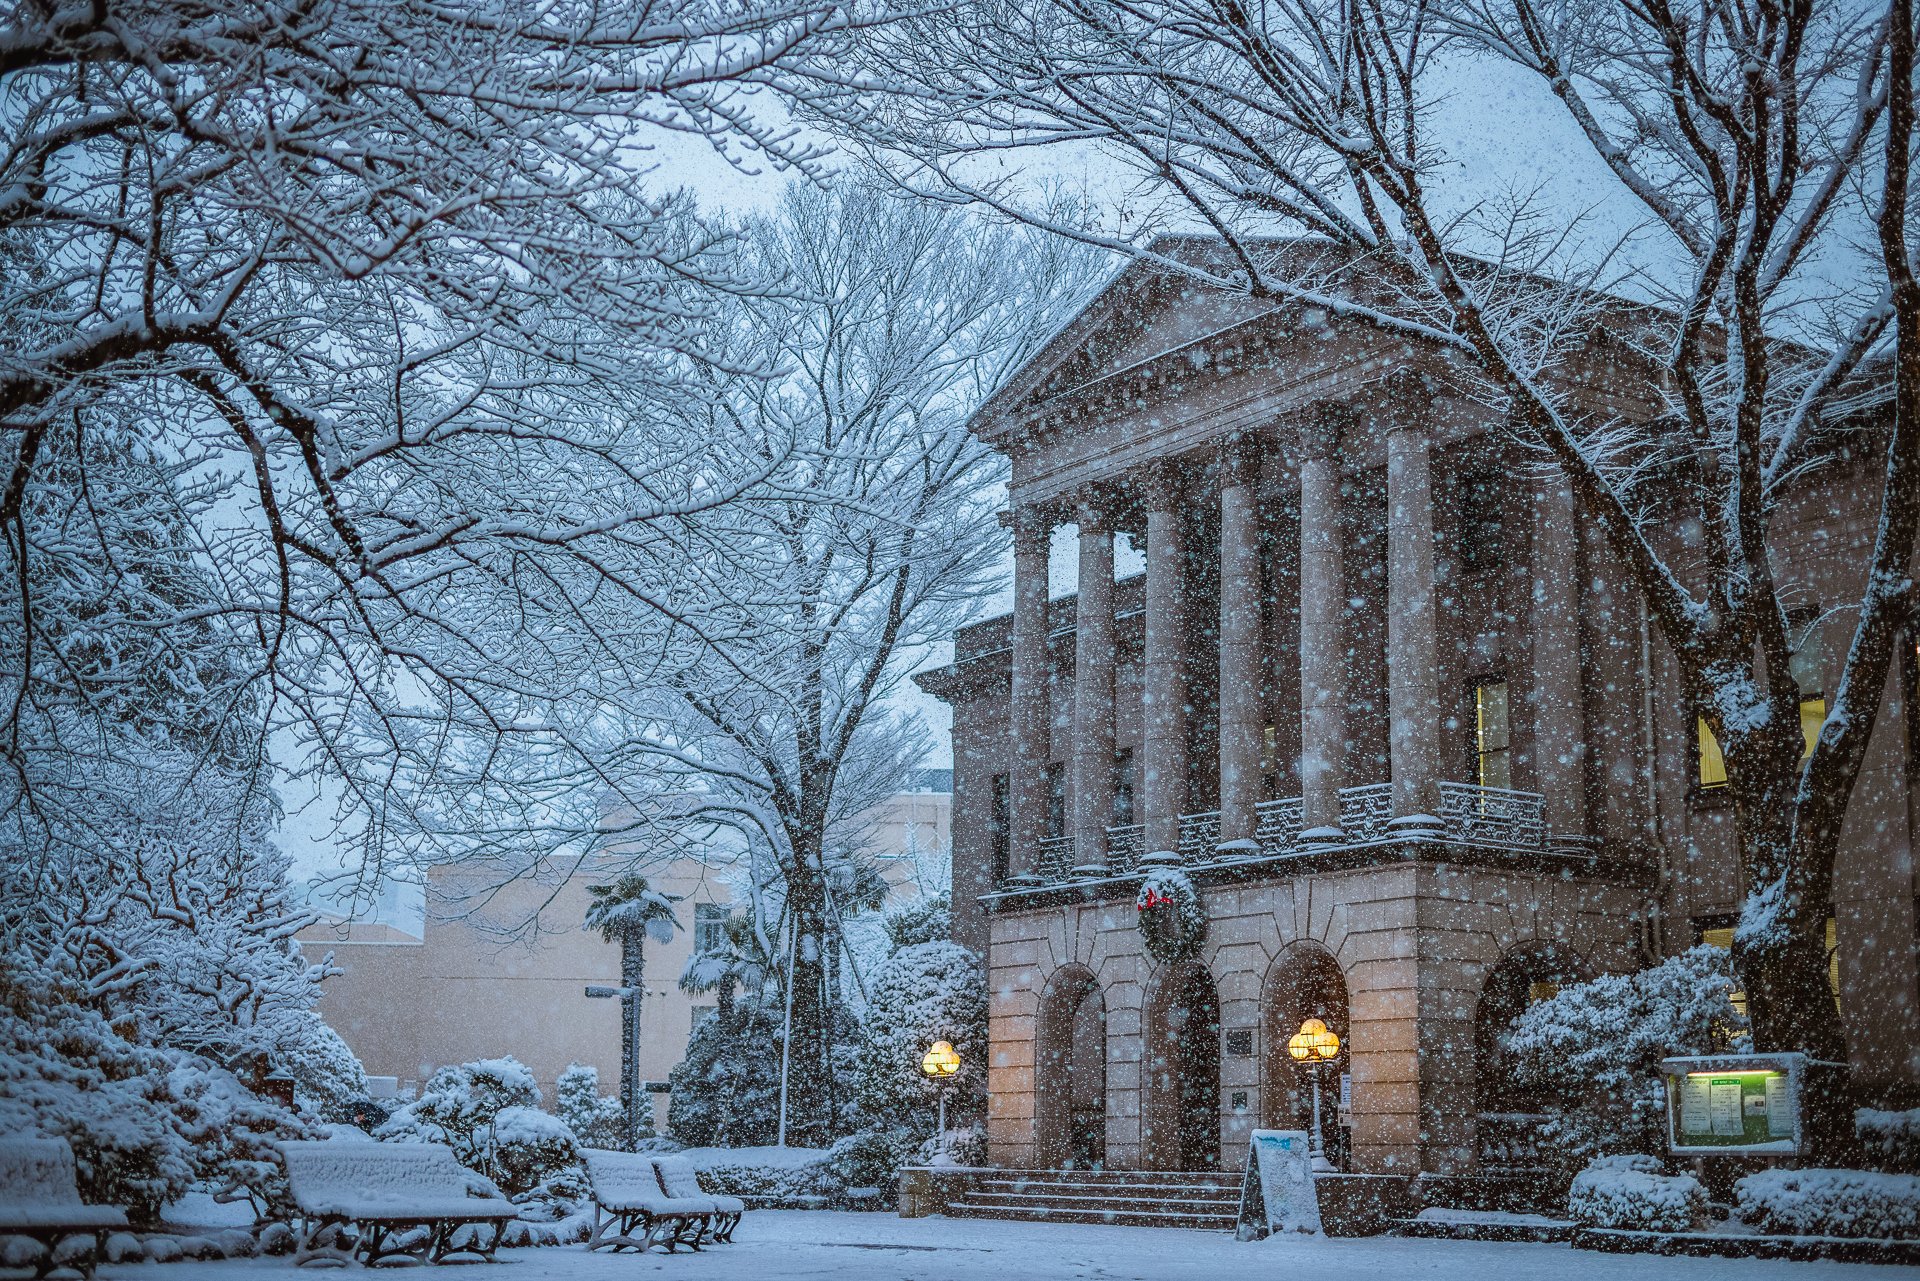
941	1061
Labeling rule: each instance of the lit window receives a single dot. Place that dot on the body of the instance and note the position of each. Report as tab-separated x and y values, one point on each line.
1492	761
1813	714
1541	990
1713	766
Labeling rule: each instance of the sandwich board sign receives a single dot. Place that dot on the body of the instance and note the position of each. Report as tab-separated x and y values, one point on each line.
1277	1193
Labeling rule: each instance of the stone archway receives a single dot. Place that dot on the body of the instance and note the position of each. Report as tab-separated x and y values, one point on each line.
1070	1071
1304	981
1508	1114
1180	1123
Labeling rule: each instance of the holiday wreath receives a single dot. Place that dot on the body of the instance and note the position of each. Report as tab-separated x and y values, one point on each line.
1171	921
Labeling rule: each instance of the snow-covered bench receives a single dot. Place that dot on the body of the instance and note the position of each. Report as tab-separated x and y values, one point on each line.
680	1179
40	1198
633	1210
411	1200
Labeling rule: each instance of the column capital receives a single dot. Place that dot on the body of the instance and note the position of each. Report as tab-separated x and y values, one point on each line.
1094	511
1032	525
1240	457
1409	398
1162	483
1325	425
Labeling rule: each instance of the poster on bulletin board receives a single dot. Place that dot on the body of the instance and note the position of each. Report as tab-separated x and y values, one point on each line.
1733	1104
1277	1192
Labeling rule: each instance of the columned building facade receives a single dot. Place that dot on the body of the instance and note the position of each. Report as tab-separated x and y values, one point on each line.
1386	696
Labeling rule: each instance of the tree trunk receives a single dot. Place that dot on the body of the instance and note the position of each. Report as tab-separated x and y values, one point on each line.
633	969
809	1086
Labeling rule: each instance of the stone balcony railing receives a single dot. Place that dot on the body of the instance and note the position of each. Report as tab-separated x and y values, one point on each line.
1487	817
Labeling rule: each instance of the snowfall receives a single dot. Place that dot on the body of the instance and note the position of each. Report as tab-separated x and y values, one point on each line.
791	1244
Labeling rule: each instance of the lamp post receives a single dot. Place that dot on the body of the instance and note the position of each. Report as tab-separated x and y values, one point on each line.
630	1068
1314	1045
940	1064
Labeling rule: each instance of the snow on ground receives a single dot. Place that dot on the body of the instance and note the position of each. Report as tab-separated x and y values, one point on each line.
793	1245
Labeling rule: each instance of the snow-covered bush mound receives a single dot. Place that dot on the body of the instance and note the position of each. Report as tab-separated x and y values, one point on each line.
1631	1192
529	1147
1833	1203
925	992
870	1158
1892	1139
596	1120
768	1175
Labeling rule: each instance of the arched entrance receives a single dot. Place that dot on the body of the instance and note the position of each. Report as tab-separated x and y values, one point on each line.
1304	982
1181	1123
1509	1113
1070	1072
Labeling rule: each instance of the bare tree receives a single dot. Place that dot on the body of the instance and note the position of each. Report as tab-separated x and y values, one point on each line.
872	539
1757	137
395	296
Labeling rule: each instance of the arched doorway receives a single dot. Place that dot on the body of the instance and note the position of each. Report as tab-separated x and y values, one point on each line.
1070	1072
1181	1124
1509	1112
1304	982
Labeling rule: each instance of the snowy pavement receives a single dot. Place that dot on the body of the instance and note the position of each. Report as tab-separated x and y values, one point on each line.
790	1245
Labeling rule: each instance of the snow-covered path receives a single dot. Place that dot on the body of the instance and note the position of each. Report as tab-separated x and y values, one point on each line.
792	1245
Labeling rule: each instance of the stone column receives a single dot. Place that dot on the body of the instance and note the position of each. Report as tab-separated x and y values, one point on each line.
1413	657
1093	663
1241	717
1030	716
1164	690
1559	716
1323	644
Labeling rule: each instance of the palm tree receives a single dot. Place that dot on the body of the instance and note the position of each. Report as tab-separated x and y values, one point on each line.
739	961
626	912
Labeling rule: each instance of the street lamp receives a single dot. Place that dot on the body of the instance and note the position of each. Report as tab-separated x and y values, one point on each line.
1314	1045
630	1068
940	1063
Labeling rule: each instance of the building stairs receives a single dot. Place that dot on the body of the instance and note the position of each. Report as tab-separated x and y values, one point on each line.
1206	1199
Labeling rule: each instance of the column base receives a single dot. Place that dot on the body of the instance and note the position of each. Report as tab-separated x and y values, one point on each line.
1323	836
1024	881
1163	858
1420	825
1091	871
1245	847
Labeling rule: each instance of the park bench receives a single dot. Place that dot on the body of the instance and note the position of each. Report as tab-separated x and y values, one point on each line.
402	1200
679	1178
632	1209
40	1198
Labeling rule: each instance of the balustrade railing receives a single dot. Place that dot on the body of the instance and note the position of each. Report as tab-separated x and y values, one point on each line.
1494	817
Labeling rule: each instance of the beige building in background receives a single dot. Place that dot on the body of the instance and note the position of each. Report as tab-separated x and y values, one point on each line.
466	989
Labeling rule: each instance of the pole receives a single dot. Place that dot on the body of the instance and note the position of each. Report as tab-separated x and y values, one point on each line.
786	1035
1318	1148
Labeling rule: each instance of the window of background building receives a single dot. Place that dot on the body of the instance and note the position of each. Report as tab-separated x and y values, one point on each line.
1808	667
709	927
1000	826
1718	931
1481	516
1056	799
1492	755
1123	788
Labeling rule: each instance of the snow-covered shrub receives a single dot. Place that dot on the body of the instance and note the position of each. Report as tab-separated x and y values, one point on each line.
596	1120
925	992
458	1105
870	1158
726	1091
1891	1139
922	920
1834	1203
1632	1192
766	1175
1597	1046
963	1145
328	1079
527	1147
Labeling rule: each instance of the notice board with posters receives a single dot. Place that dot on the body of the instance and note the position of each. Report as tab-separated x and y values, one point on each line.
1734	1104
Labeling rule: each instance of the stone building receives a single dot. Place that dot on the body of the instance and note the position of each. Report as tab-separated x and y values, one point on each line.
1390	699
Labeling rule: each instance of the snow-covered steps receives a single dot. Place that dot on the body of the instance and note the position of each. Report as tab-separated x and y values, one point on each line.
1484	1225
1137	1198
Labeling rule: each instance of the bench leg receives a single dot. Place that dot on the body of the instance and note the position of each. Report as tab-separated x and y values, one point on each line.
320	1242
724	1226
442	1240
622	1230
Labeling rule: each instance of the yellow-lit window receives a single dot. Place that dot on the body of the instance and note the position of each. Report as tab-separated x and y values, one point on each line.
1713	766
1491	737
1813	714
1541	990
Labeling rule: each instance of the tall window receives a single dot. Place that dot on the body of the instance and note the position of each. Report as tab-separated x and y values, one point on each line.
1481	516
1493	760
1123	788
1000	826
709	927
1056	799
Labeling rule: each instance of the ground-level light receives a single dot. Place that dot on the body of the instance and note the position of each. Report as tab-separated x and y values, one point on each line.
941	1062
1315	1044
